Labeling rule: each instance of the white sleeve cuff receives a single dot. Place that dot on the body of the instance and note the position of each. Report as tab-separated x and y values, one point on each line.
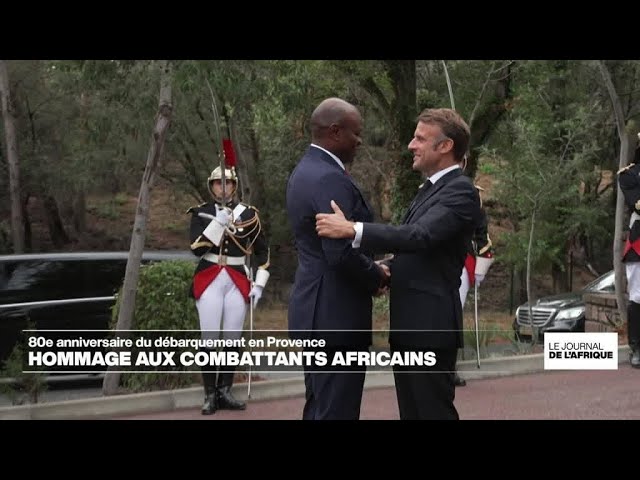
358	227
262	275
214	232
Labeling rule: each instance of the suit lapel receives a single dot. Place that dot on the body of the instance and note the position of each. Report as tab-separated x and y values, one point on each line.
364	200
432	191
327	158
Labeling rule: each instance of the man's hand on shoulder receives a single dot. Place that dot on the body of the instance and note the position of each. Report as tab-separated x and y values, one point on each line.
334	225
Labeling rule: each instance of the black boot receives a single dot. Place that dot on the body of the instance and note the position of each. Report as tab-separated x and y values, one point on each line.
223	392
635	356
210	398
633	330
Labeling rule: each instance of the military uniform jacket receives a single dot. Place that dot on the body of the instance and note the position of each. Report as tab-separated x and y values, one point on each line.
480	246
249	241
629	180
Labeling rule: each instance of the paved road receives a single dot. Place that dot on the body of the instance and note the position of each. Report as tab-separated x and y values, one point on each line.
549	395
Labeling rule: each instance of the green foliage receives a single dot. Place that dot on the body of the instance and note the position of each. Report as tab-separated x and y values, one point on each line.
121	199
162	303
547	164
175	227
25	386
405	188
5	238
381	305
486	335
108	210
84	126
518	347
487	169
86	123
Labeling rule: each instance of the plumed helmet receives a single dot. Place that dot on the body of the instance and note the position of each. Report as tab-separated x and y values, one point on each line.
229	174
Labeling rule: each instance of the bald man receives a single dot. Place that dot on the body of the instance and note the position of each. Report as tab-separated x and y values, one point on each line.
331	295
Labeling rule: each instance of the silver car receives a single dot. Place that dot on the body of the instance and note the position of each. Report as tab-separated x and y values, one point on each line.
559	313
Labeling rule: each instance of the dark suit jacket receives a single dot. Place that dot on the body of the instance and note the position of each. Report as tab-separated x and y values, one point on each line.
430	249
333	282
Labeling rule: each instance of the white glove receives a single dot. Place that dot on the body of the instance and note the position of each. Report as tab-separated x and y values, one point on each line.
479	278
224	216
256	294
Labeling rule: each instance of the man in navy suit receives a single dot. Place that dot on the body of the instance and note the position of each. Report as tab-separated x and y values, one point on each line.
331	295
430	248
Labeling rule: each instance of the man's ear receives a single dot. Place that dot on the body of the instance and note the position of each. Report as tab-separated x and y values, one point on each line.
446	145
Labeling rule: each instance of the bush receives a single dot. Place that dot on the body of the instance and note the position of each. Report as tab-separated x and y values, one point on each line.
487	333
162	303
21	386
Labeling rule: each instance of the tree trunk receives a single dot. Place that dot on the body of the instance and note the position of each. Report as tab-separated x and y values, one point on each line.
402	74
560	279
80	212
58	235
156	150
28	236
534	329
8	115
254	187
483	124
626	153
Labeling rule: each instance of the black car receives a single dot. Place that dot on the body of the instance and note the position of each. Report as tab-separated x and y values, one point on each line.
559	313
62	290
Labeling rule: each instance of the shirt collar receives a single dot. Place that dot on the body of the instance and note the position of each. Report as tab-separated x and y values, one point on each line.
438	175
331	155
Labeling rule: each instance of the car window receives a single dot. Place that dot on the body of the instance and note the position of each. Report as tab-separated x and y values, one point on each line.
605	283
104	277
36	280
64	278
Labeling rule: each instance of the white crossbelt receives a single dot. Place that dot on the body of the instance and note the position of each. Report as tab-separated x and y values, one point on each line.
224	259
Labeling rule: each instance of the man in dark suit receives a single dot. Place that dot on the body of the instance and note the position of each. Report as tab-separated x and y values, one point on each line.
331	294
430	248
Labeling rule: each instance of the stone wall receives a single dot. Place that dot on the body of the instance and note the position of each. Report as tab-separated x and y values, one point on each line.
601	312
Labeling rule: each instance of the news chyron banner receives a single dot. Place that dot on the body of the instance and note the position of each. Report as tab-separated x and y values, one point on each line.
261	351
580	351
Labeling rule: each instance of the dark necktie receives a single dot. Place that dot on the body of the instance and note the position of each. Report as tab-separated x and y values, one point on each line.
420	195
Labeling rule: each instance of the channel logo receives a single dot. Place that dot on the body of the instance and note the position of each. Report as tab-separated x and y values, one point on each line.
580	351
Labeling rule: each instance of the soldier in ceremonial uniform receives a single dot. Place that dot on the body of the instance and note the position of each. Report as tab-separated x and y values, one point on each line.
479	256
227	236
476	264
629	180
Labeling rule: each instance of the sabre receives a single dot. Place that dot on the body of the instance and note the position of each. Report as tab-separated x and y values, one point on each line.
250	336
475	302
221	153
446	74
475	295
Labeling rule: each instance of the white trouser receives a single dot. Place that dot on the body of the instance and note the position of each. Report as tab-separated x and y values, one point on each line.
464	286
633	280
221	307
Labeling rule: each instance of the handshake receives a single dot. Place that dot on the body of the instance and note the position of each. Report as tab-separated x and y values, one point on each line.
385	282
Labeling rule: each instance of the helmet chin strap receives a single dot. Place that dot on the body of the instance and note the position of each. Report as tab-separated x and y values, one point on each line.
229	196
219	200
